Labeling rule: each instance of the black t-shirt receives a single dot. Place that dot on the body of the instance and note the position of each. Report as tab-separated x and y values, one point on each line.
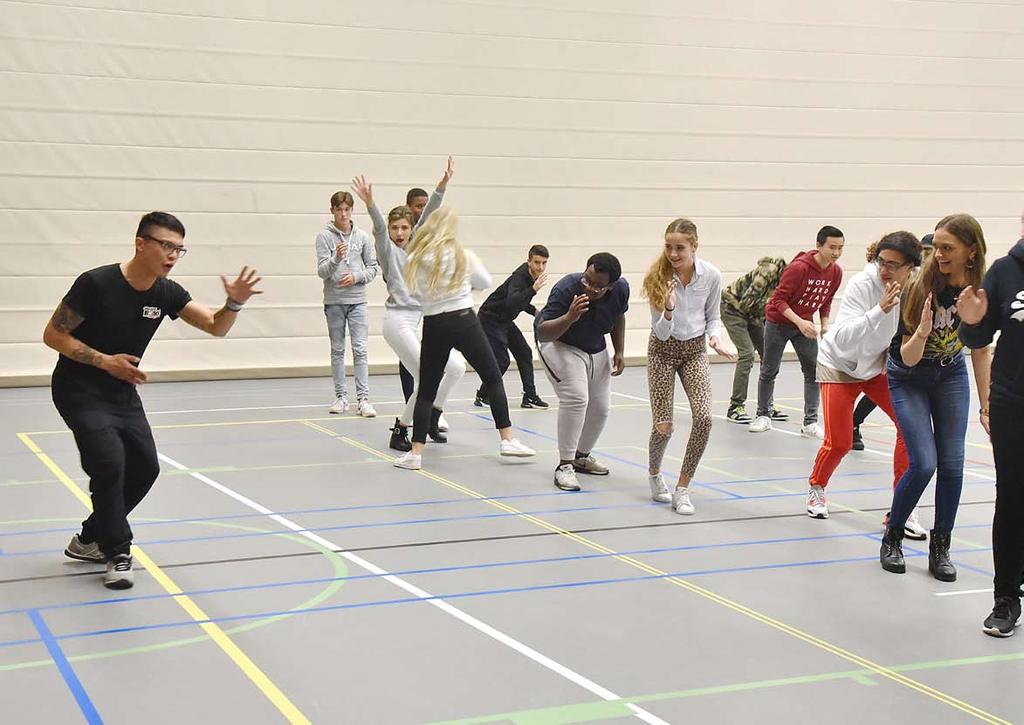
117	319
943	344
588	332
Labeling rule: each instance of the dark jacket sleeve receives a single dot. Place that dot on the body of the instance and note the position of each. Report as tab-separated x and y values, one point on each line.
520	292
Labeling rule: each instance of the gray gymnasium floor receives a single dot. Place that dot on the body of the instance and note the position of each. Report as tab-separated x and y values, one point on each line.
321	583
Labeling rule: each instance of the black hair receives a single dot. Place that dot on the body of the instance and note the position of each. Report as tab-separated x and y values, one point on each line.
413	194
903	243
538	250
828	231
607	263
159	219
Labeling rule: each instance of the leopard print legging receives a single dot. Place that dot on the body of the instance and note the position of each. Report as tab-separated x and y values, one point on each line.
689	360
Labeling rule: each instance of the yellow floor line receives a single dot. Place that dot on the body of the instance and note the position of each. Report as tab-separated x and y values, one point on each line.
251	670
878	669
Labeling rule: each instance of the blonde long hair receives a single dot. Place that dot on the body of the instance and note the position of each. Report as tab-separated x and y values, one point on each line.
430	245
966	229
657	278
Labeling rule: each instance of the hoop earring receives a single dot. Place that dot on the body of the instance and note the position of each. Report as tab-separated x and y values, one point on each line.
970	264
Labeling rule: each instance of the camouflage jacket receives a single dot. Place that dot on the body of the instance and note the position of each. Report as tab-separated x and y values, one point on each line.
749	294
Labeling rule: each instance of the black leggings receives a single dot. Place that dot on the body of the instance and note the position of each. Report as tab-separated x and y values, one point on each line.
408	382
460	330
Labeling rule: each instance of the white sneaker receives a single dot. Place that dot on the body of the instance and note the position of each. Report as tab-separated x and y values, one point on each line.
761	424
514	447
119	573
817	505
812	430
409	460
565	478
913	529
339	406
366	409
681	502
659	491
442	424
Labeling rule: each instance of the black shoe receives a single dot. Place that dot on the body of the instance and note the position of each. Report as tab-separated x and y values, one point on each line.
1005	616
938	556
481	398
858	442
532	400
433	431
777	415
400	437
891	554
738	415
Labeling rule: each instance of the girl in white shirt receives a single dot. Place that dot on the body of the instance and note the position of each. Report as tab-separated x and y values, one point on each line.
685	295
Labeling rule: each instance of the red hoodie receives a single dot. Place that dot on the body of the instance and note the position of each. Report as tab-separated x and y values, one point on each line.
804	288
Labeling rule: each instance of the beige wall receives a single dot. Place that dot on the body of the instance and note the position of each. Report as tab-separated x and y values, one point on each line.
583	126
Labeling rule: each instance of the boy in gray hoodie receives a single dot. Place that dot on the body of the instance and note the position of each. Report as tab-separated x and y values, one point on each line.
346	262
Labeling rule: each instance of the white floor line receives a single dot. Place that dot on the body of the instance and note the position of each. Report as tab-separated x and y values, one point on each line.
965	591
445	607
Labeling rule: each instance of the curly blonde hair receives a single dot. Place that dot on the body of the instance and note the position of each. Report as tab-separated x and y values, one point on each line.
432	243
657	278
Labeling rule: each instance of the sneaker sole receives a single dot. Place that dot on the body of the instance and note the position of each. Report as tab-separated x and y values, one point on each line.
119	584
367	415
78	557
686	513
591	473
662	498
407	467
567	488
996	632
519	455
916	536
738	422
816	516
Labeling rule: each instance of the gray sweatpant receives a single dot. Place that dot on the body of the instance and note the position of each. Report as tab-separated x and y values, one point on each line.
583	384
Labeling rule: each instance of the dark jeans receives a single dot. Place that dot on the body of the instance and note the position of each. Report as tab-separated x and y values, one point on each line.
460	330
505	337
931	403
747	335
1007	423
408	382
775	338
118	454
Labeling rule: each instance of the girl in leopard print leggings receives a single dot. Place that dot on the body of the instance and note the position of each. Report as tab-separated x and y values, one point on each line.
685	293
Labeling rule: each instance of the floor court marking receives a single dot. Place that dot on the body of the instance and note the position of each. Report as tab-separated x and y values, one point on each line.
66	670
419	593
285	706
703	592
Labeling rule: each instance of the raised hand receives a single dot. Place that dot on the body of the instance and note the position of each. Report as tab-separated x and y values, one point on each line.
670	295
449	172
972	305
924	328
541	280
721	349
243	287
891	298
363	189
580	304
123	367
339	251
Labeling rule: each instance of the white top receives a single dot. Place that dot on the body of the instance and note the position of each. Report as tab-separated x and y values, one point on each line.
858	338
698	306
434	303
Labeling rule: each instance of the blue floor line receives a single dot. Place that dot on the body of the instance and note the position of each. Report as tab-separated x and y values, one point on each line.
65	669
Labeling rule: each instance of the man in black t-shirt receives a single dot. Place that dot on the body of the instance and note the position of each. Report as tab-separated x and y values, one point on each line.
101	329
497	317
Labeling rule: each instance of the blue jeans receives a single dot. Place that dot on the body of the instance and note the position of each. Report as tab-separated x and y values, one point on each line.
931	404
357	318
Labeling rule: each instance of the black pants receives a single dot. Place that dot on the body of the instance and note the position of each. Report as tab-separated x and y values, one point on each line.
1007	423
118	454
408	382
460	330
505	337
863	410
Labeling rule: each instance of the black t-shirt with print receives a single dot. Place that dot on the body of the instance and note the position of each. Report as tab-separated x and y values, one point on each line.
117	319
943	344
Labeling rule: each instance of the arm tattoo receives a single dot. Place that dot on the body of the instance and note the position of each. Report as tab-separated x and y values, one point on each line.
85	354
65	319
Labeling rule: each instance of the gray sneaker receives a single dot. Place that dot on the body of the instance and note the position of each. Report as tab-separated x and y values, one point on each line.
119	573
84	552
589	464
565	478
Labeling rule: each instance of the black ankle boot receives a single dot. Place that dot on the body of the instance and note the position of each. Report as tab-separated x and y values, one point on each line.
891	554
400	437
938	556
858	442
433	431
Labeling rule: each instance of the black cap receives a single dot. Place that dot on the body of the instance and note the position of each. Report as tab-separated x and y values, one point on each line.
928	240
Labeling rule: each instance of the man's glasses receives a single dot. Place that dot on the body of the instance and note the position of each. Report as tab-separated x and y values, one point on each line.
890	266
584	282
168	247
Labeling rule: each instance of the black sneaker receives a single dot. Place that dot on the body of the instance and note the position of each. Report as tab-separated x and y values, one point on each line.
776	414
891	553
1005	616
481	400
738	415
434	431
858	442
400	438
532	400
119	573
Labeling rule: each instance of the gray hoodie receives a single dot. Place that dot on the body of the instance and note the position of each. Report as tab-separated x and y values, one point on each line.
360	260
393	258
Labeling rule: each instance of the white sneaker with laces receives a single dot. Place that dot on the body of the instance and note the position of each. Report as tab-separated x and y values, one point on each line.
409	461
761	424
812	430
681	502
565	478
817	505
659	491
119	573
339	406
442	424
515	447
366	409
913	529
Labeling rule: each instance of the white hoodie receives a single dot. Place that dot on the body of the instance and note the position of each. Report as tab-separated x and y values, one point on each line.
858	339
